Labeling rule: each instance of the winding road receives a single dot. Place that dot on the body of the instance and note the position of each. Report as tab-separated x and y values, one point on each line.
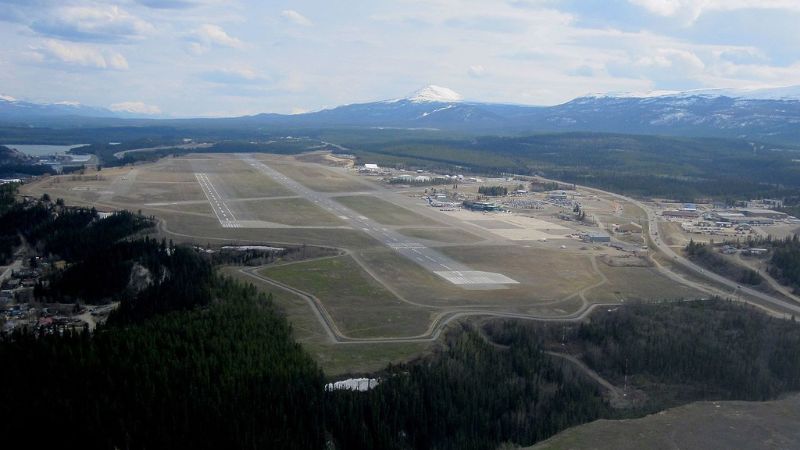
436	327
756	298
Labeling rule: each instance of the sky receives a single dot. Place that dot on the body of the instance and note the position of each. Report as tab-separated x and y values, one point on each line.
181	58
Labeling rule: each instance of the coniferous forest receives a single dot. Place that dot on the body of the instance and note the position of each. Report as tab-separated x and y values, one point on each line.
195	360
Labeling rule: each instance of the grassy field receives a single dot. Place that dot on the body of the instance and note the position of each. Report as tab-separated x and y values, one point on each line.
168	170
419	285
319	178
246	182
336	360
638	283
384	212
199	230
445	235
140	193
359	305
701	425
290	211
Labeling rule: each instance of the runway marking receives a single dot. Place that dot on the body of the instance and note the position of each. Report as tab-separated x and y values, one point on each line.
409	245
224	215
475	277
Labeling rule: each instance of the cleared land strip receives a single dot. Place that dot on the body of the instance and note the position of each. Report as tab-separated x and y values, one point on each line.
443	266
221	210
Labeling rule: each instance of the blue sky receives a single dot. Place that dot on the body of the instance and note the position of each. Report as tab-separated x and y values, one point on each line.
217	58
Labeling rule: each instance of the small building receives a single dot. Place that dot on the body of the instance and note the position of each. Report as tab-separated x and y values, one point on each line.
596	237
732	217
689	207
681	214
482	206
755	251
370	168
766	213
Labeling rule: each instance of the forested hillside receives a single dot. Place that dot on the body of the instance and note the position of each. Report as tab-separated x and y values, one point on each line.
194	360
679	168
783	258
706	256
682	351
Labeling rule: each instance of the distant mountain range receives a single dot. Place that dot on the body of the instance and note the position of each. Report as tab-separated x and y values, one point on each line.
12	109
758	114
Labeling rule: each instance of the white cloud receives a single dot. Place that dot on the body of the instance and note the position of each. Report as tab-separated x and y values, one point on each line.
136	108
683	61
690	10
208	35
476	71
92	23
233	75
296	18
78	55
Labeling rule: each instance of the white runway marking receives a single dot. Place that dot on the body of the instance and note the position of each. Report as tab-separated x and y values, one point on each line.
475	277
410	245
225	216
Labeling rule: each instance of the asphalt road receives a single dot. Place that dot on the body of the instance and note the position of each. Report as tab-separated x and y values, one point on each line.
783	306
430	259
764	300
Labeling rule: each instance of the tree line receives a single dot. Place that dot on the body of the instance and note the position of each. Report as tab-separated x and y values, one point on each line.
493	191
706	256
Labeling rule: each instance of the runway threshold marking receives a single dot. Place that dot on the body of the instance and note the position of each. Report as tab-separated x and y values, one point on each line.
218	206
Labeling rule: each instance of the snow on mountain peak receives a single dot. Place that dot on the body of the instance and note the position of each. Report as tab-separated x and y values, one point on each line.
435	94
7	98
771	93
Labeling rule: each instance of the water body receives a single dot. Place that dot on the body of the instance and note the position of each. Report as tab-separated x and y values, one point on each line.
43	150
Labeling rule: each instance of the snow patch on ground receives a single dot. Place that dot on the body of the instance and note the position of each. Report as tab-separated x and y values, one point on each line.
243	248
353	384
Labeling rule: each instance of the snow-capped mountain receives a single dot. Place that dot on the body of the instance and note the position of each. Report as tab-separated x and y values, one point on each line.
435	94
12	109
756	113
764	114
788	93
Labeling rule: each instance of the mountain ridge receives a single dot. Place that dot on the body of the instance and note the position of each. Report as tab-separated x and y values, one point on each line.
771	115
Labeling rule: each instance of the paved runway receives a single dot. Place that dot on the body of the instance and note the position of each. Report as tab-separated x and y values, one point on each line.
428	258
221	210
